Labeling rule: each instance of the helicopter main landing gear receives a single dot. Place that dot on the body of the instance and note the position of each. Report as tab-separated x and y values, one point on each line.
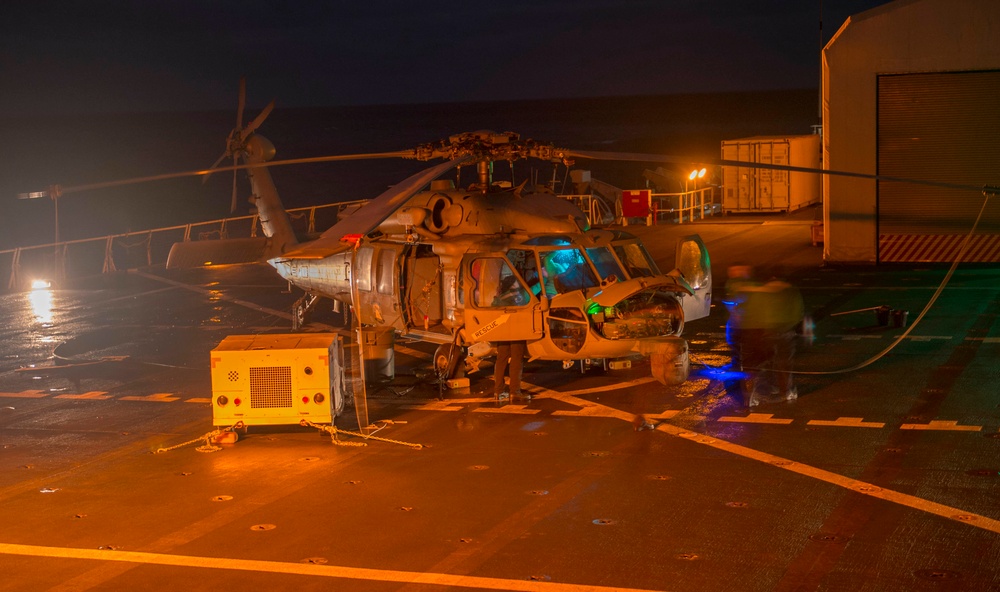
449	361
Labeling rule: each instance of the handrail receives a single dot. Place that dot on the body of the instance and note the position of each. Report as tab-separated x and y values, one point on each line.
53	256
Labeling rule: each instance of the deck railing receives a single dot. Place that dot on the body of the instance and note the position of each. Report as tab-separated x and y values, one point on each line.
56	262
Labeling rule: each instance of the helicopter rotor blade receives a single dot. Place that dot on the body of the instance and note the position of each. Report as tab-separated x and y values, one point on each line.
663	158
241	102
249	129
232	206
373	213
214	166
206	172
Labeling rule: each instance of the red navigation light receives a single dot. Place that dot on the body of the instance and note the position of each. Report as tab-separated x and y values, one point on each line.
351	238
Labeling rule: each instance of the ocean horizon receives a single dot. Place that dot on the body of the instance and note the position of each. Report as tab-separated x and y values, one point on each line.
76	149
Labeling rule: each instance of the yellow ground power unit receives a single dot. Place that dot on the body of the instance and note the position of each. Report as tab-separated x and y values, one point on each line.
277	379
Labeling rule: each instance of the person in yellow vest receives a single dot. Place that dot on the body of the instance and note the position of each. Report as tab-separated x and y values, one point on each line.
761	331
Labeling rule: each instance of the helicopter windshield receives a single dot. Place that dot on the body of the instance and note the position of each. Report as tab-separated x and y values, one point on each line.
636	260
605	263
565	270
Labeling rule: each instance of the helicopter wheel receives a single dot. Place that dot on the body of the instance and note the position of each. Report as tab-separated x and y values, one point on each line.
301	312
449	361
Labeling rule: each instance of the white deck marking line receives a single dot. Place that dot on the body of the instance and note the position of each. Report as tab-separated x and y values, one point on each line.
415	353
984	339
140	294
847	422
304	569
596	389
200	290
755	418
940	425
400	348
929	337
855	337
910	501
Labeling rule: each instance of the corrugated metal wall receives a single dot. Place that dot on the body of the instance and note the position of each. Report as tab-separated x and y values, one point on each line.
942	127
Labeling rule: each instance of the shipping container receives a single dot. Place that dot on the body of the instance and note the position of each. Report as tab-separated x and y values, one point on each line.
749	189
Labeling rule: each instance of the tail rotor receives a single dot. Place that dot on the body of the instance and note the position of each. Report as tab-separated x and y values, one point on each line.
237	140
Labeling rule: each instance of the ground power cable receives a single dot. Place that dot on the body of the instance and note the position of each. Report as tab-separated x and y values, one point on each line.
988	192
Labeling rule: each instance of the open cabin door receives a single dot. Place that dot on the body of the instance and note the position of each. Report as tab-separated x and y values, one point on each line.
693	262
377	278
498	304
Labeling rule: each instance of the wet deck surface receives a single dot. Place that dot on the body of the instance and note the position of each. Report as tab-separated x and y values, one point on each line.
885	477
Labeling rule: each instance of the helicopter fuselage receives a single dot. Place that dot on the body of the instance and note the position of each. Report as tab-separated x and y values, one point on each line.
475	268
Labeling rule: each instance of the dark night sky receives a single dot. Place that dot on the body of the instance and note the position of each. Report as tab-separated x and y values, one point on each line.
157	55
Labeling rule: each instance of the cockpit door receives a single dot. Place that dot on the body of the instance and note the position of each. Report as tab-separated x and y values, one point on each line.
693	262
498	304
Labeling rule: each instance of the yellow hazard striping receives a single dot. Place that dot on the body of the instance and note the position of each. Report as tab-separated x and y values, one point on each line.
306	569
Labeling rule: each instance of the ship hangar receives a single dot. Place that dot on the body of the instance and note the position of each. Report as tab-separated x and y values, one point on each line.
910	90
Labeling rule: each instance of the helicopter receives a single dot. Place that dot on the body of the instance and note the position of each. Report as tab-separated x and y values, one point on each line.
466	267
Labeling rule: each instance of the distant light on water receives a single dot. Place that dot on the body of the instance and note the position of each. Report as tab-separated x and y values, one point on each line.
40	284
41	302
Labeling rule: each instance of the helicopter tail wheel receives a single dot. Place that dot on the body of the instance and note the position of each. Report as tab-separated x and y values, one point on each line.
448	361
302	311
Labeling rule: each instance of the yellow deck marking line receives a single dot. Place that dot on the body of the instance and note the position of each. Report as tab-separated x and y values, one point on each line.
203	400
910	501
96	395
755	418
847	422
32	394
512	409
305	569
155	398
940	425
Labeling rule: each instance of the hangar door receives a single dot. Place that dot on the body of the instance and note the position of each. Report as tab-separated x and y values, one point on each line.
942	127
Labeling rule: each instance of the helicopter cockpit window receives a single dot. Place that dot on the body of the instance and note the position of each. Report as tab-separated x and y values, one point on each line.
636	260
525	263
363	264
386	267
605	263
565	270
495	285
